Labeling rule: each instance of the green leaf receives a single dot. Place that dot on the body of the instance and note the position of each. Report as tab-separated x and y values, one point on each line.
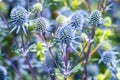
40	55
59	75
108	21
76	68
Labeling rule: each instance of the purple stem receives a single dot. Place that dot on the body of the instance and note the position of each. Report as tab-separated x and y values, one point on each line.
66	58
26	57
87	55
32	72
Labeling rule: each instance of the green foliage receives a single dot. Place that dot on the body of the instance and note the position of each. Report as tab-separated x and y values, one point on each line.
76	69
108	22
39	50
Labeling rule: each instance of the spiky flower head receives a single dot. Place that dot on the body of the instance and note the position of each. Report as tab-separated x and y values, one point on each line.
65	35
41	24
18	16
95	18
77	20
108	57
92	70
3	73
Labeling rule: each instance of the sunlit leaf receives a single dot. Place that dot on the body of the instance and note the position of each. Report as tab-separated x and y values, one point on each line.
76	68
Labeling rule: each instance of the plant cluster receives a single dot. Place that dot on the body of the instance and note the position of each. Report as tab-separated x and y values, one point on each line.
74	41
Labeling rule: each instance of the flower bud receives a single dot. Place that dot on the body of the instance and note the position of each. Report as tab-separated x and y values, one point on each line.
37	7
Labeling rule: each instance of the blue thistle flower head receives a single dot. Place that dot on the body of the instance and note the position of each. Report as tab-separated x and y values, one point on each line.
41	24
95	18
108	57
18	15
92	70
77	20
65	35
3	73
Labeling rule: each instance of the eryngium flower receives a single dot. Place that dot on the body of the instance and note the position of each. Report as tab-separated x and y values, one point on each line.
3	73
95	18
64	35
77	20
18	16
41	24
108	57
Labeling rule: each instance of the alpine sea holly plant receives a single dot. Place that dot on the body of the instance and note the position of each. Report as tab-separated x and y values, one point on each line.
58	40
